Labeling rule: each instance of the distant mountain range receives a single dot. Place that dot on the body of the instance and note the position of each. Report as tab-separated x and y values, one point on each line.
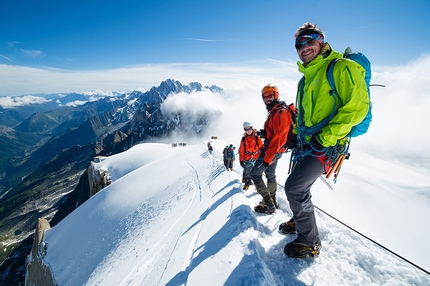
47	146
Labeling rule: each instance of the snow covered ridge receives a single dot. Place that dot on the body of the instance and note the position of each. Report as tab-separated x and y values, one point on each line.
175	216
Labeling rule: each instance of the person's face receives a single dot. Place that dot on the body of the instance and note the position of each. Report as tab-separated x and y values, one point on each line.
268	98
308	49
248	130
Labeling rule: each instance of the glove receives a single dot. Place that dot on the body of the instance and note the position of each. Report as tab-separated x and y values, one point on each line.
242	164
316	145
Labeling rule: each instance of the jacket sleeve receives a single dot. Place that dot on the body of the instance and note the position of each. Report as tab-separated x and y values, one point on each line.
281	126
353	102
241	150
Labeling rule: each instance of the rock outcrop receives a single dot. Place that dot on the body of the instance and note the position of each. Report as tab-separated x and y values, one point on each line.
38	273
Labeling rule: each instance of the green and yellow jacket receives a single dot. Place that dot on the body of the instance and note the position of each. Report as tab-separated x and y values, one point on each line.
317	103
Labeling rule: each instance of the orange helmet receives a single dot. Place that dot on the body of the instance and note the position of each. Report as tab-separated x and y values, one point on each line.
268	89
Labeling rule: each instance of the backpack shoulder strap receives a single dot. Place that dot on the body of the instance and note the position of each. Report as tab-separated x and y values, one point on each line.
333	93
255	137
282	106
329	73
299	99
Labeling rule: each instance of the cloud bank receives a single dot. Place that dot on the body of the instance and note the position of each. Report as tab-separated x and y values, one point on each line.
17	80
398	131
400	112
8	101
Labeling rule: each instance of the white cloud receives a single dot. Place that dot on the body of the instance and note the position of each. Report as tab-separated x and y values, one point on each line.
8	101
11	44
18	80
400	115
76	103
6	58
32	53
193	102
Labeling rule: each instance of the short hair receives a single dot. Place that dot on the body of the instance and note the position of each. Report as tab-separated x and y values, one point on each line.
308	26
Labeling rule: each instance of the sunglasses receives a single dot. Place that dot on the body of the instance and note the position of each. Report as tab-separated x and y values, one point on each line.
267	95
246	129
312	40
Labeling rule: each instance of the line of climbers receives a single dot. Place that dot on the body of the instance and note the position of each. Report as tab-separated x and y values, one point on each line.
333	105
229	157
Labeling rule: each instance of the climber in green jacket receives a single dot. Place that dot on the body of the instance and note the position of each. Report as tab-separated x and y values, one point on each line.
317	104
324	121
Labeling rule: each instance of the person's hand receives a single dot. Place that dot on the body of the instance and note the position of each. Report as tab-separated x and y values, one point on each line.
242	164
265	164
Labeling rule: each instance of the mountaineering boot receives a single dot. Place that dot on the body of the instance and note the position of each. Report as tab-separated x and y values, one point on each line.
288	227
247	182
296	249
271	188
266	206
263	208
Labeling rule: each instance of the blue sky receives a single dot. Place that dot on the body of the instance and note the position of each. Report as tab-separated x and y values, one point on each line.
70	36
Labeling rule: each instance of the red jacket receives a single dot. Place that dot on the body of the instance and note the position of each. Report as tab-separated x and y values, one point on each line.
277	126
250	147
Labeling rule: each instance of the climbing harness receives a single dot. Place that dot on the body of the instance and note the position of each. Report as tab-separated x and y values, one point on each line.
249	163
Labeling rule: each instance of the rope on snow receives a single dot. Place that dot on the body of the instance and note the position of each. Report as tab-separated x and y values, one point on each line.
370	239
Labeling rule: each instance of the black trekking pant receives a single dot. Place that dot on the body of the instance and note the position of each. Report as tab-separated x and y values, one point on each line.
229	163
298	191
246	174
258	169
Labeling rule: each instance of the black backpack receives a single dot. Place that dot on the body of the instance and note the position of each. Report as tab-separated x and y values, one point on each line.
291	140
229	153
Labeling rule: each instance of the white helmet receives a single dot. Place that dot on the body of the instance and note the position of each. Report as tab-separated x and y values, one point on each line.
247	125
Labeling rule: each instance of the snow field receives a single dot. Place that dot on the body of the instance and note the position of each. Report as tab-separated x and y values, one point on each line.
175	216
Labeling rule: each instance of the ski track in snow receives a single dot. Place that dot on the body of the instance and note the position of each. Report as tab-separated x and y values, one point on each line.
159	250
192	244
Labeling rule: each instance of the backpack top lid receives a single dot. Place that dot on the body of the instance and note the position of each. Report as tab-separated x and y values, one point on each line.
362	60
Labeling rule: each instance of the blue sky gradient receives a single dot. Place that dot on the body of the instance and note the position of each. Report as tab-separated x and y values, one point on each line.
102	35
